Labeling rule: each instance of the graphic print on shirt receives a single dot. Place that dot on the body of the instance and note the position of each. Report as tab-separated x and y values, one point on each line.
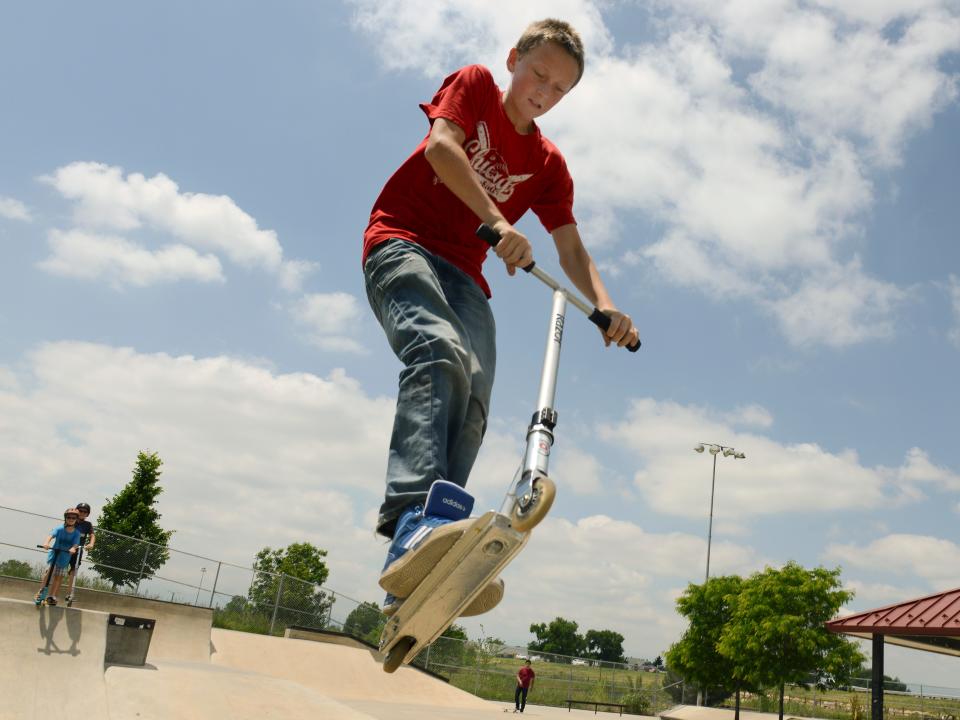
489	165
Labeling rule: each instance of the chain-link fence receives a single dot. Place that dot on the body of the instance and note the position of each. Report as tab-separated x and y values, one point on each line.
241	598
901	700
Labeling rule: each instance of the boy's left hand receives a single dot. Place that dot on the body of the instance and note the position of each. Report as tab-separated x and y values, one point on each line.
621	330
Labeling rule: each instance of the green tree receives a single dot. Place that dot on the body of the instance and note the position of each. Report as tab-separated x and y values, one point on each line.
17	569
777	633
362	619
457	632
559	637
131	514
696	656
286	585
605	645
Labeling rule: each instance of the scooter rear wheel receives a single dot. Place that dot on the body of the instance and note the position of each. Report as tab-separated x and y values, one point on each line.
397	653
544	491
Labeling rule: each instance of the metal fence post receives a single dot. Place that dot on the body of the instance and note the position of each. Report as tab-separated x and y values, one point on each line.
276	605
329	622
143	566
214	590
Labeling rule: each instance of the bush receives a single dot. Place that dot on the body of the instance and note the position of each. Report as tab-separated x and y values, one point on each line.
18	569
637	703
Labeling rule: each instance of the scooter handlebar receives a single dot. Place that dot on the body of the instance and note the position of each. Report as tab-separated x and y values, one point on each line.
597	316
485	232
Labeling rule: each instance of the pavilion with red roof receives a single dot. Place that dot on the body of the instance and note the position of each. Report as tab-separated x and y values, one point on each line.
929	623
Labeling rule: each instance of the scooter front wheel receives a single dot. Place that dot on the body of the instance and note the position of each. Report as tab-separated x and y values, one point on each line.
525	519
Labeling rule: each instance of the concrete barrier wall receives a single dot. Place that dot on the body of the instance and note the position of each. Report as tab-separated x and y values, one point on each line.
182	632
47	656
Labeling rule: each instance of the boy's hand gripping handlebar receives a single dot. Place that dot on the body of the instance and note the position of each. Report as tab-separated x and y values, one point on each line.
594	315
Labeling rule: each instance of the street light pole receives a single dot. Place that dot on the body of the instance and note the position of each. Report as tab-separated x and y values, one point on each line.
715	449
713	485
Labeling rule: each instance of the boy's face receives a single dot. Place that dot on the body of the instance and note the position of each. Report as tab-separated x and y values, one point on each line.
70	519
540	79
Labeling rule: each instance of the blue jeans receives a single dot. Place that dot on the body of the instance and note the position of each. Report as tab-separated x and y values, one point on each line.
439	324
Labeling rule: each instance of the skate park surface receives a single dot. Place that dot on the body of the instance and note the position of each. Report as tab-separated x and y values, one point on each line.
49	655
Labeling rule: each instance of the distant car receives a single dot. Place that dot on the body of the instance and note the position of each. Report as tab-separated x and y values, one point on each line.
520	656
578	661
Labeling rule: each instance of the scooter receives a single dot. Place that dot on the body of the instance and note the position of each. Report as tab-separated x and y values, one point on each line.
495	538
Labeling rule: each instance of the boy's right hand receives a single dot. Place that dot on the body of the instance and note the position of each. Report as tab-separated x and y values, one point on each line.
514	248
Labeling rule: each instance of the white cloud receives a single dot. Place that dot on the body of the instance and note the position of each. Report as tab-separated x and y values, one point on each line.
840	307
330	319
935	560
918	468
106	199
774	478
294	272
13	209
285	457
835	68
88	256
760	182
954	288
872	595
750	416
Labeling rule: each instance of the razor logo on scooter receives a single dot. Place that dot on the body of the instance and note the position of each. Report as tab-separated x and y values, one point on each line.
558	329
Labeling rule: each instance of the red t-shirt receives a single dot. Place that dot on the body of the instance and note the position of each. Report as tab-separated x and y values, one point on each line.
520	172
526	675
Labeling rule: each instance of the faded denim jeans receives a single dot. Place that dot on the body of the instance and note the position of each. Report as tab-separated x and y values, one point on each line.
439	324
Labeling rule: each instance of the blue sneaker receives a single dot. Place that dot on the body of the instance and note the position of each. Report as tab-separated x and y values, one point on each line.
423	536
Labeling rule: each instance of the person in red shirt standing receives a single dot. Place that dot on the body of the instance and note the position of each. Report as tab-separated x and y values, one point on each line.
484	160
525	677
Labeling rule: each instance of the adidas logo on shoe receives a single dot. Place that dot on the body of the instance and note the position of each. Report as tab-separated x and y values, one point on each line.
454	503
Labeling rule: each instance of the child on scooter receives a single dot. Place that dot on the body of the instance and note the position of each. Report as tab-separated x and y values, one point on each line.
62	543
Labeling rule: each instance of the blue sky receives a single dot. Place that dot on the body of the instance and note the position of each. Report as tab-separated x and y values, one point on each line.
769	188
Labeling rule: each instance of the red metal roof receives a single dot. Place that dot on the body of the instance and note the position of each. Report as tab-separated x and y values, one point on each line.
932	615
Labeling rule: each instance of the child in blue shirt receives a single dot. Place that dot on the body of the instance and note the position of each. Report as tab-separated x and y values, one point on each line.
62	544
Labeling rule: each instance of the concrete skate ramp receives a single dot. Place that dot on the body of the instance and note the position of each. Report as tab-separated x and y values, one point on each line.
182	632
49	654
336	671
187	691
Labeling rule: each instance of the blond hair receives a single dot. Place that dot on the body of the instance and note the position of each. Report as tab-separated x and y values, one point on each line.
555	31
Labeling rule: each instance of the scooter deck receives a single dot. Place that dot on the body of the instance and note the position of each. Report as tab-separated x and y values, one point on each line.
478	557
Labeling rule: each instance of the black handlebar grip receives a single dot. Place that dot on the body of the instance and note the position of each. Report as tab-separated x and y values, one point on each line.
602	321
485	232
